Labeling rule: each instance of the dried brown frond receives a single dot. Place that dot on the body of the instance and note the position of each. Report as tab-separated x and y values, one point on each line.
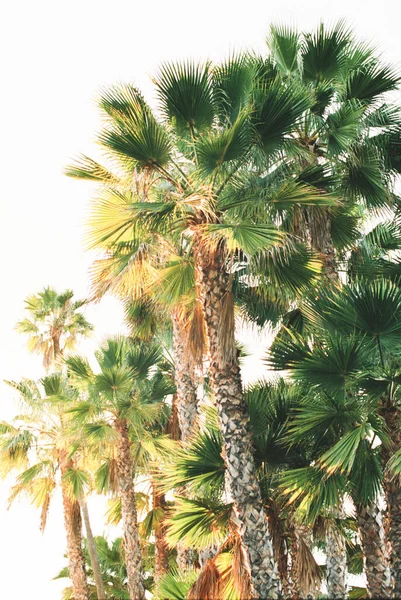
227	328
44	512
197	340
240	571
208	584
173	425
309	572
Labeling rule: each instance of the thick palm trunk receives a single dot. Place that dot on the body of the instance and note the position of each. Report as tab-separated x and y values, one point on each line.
73	528
371	533
336	566
392	490
132	550
184	379
225	380
92	551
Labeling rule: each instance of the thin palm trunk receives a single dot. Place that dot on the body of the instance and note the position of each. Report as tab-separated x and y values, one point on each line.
132	549
392	490
184	379
73	528
225	380
161	546
186	406
92	551
372	535
336	566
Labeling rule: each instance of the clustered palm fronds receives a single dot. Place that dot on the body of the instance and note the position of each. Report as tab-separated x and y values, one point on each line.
261	192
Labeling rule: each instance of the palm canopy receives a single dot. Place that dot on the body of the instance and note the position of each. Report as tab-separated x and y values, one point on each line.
347	360
40	439
55	323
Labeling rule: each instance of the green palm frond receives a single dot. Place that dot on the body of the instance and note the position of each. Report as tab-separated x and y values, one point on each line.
176	585
133	132
277	109
87	168
369	81
312	490
199	464
76	482
185	94
323	52
284	44
243	237
343	127
232	83
198	523
229	145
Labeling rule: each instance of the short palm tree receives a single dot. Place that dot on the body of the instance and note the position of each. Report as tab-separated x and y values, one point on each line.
121	400
112	567
38	443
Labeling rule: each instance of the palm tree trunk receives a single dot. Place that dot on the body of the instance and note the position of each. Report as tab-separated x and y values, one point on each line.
392	490
73	528
184	379
186	406
372	535
336	566
161	547
92	551
132	550
319	224
225	380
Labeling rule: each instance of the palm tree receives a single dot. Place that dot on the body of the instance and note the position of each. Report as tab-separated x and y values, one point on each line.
353	362
347	140
121	400
188	174
39	443
113	571
54	323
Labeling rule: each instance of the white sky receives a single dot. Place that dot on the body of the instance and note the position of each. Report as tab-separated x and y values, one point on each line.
56	55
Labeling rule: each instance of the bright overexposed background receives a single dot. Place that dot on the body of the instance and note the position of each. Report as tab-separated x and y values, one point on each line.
56	55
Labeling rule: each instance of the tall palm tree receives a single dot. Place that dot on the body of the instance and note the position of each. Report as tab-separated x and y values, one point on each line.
120	401
55	323
39	443
188	173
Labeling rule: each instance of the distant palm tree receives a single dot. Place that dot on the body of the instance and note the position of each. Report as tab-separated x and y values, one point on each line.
54	323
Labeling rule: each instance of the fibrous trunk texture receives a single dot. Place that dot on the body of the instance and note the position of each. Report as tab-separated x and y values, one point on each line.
161	547
187	401
319	224
184	379
92	551
373	542
392	490
73	528
132	550
336	566
225	380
